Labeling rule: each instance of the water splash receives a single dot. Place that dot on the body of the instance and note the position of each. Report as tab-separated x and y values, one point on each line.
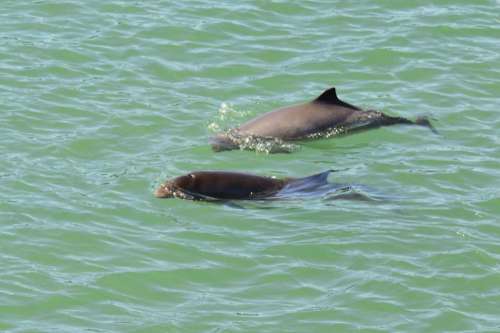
225	123
227	117
329	133
268	145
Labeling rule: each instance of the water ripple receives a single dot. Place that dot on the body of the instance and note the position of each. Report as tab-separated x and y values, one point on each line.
103	100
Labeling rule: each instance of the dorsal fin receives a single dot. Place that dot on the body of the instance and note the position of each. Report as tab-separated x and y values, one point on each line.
329	96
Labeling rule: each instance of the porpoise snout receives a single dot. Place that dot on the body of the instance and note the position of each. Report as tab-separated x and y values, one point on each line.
164	191
222	142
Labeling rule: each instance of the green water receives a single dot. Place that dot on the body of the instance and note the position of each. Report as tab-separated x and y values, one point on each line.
102	100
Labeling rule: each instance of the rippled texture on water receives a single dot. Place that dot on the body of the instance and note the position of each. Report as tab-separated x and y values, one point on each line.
102	100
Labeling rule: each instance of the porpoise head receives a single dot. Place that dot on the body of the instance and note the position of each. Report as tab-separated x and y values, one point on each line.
174	188
224	141
164	191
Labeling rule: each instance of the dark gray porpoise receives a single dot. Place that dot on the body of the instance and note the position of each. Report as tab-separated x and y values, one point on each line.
223	185
326	116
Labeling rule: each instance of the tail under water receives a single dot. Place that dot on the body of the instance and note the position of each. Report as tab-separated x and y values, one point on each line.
421	121
424	121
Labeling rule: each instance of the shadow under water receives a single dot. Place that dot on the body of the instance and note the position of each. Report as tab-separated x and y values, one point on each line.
315	187
325	193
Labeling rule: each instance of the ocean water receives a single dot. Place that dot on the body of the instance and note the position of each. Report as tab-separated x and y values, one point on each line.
100	101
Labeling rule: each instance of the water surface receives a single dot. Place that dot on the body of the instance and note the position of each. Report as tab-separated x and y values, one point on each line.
101	101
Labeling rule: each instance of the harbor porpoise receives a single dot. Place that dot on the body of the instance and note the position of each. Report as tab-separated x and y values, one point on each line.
323	117
226	185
